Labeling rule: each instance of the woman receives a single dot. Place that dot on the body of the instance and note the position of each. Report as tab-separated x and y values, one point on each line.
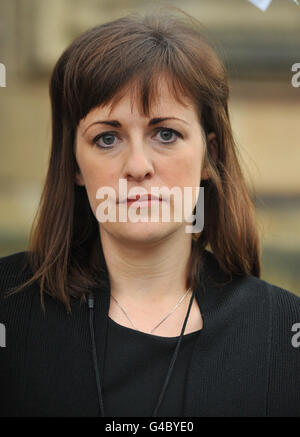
142	318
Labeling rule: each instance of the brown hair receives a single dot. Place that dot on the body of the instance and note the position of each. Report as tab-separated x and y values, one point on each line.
65	252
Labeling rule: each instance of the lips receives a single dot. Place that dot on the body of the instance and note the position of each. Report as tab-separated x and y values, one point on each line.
143	197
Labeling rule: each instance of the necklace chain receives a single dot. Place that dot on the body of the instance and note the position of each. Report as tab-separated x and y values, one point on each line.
163	319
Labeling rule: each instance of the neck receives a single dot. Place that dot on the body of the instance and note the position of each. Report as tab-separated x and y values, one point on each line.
147	272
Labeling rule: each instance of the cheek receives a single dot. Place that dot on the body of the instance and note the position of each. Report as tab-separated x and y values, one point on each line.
96	176
184	171
93	169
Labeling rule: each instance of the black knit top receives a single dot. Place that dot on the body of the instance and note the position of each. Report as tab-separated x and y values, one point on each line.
136	364
245	362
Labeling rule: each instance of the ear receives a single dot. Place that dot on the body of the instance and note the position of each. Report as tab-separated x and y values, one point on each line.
79	179
212	145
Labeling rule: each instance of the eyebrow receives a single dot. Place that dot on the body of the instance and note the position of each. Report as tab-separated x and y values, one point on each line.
152	122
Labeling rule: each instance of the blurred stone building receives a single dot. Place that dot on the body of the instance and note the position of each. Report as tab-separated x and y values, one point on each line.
259	49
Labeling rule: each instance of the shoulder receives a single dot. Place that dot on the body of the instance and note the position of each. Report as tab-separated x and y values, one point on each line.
213	272
15	307
14	271
14	268
250	291
283	304
279	297
283	310
16	259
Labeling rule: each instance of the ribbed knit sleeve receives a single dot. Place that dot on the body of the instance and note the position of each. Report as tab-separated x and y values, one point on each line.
15	316
284	354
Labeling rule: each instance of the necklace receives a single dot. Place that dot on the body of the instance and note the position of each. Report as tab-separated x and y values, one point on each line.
96	364
164	318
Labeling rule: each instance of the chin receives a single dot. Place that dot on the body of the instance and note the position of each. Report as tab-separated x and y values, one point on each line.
145	232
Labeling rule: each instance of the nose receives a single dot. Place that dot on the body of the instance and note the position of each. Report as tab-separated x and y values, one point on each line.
138	164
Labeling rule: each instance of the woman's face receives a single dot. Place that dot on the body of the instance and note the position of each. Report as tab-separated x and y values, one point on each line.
147	153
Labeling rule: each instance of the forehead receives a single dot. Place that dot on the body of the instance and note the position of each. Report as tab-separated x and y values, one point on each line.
163	102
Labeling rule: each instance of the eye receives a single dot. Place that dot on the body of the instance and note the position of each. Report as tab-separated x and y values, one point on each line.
166	135
107	139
